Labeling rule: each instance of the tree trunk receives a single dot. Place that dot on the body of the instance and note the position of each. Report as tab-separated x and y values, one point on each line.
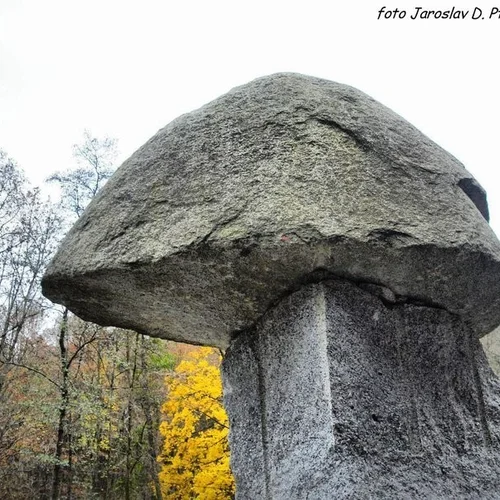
70	464
56	485
151	424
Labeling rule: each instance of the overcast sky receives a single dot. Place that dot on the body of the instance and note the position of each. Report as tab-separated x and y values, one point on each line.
125	69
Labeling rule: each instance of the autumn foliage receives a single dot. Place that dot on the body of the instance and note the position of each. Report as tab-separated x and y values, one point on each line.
195	455
80	404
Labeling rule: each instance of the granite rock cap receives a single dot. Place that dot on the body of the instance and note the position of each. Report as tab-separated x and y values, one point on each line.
286	180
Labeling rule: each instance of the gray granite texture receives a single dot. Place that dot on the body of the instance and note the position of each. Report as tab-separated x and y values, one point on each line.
283	181
337	394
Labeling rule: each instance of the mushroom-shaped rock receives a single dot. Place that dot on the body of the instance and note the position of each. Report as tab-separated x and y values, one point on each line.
347	262
283	181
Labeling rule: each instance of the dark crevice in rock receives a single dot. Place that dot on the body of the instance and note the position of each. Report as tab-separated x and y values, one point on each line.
476	194
390	235
417	302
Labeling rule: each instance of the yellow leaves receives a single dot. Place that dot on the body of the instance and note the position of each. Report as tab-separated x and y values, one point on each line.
195	455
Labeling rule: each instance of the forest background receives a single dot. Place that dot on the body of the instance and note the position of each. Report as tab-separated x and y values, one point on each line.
85	411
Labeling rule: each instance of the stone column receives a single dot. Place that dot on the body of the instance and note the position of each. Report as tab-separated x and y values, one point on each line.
338	394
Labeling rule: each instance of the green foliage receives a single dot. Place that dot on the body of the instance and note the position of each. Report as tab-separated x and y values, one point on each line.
162	361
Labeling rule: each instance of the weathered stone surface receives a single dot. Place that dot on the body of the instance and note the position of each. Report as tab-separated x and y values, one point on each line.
337	394
280	182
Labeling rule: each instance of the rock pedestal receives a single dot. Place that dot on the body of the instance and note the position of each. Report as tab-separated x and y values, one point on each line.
345	261
337	393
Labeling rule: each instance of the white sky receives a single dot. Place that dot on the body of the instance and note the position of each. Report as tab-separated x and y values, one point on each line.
125	69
